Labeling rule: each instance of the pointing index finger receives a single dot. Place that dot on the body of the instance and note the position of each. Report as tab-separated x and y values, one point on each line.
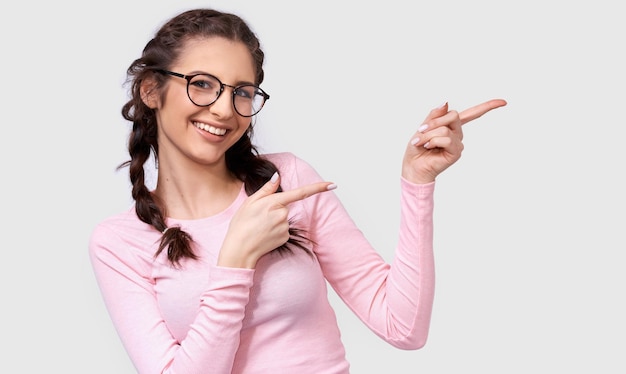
300	193
477	111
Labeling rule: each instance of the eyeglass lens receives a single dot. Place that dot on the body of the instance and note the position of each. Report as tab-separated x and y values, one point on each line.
204	90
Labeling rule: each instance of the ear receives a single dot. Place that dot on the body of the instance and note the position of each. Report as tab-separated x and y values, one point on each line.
149	93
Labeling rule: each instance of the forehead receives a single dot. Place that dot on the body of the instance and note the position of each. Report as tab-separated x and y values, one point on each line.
228	60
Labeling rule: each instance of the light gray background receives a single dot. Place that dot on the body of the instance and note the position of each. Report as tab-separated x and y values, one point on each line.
529	223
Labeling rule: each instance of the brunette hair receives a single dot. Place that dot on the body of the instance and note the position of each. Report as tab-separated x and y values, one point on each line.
242	159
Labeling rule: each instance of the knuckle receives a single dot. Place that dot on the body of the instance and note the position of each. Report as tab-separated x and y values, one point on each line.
282	214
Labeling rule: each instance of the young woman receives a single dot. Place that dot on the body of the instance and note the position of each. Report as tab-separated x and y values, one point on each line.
222	267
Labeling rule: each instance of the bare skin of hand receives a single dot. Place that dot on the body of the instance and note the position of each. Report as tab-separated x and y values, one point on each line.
438	143
261	223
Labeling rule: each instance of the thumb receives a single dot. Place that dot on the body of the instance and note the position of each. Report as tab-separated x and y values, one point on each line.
270	187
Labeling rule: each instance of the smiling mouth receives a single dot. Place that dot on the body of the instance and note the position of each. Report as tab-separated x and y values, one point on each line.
210	129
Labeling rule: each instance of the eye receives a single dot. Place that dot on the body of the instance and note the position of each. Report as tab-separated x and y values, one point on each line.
204	82
245	92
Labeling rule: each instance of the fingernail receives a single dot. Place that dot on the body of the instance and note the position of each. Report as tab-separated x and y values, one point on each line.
422	128
426	145
331	187
415	141
274	177
442	105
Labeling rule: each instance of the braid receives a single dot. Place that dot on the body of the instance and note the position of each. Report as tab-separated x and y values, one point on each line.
147	205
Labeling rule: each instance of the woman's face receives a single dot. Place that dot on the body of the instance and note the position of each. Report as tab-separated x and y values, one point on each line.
189	133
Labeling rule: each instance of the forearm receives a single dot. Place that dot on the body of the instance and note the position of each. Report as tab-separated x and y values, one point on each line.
129	293
411	282
394	301
213	338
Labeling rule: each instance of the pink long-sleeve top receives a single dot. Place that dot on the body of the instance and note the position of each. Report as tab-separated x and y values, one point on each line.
276	318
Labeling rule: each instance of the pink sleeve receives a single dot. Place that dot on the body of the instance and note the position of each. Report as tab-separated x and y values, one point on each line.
124	278
394	300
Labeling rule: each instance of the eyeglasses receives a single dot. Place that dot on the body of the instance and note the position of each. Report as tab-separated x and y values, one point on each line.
204	89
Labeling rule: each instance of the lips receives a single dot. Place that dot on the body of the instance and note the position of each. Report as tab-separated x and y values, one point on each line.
210	129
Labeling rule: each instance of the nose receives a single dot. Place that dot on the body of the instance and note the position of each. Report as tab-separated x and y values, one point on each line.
223	106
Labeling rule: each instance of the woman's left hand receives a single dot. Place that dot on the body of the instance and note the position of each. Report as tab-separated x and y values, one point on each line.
438	142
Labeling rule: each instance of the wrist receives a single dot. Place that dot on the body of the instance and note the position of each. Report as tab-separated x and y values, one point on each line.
417	178
235	259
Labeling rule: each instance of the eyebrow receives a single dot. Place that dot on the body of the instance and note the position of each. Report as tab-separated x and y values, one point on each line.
239	83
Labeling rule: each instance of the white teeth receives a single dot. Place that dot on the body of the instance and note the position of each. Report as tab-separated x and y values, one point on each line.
209	128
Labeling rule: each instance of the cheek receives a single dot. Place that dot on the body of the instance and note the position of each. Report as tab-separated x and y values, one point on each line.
170	99
242	131
243	123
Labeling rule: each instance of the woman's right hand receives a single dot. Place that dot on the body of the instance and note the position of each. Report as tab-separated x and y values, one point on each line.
261	223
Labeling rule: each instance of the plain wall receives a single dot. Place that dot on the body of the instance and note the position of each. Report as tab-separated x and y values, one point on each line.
529	240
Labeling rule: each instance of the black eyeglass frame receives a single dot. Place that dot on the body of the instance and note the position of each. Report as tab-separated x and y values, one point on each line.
188	78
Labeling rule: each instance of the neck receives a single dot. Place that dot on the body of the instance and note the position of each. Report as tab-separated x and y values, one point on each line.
198	193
